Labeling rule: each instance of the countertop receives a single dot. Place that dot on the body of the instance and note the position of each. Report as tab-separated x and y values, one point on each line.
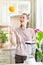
37	63
9	48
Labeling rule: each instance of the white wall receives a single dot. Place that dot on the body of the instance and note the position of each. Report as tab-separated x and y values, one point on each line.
0	11
6	16
42	15
33	7
39	14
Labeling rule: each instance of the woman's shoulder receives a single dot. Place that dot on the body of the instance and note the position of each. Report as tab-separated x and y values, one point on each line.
31	29
16	29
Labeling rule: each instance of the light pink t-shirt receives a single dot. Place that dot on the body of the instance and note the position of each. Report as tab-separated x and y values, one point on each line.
23	35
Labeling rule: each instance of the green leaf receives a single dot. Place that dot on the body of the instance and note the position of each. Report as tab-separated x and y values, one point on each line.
39	36
39	55
38	45
3	36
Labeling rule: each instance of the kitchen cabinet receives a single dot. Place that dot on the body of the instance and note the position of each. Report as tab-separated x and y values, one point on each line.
5	19
20	7
7	56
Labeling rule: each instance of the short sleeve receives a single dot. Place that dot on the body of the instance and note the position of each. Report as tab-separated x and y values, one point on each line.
33	36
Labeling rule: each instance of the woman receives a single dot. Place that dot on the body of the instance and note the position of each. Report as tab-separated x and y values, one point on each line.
22	35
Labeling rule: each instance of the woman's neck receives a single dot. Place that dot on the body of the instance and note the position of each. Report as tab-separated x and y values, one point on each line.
23	26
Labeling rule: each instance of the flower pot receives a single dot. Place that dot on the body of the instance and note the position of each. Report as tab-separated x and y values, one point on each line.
36	58
42	60
1	44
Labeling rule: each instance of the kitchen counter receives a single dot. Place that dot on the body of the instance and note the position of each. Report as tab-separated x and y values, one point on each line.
7	57
37	63
8	48
31	61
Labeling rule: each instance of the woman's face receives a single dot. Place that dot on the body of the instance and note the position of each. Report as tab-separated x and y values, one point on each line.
23	18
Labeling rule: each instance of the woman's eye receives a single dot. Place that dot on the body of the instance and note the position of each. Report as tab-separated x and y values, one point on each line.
23	17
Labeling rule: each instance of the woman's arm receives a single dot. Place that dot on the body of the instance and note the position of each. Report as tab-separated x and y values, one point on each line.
13	37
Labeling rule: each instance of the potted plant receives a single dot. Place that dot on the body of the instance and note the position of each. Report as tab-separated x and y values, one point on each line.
39	46
3	38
